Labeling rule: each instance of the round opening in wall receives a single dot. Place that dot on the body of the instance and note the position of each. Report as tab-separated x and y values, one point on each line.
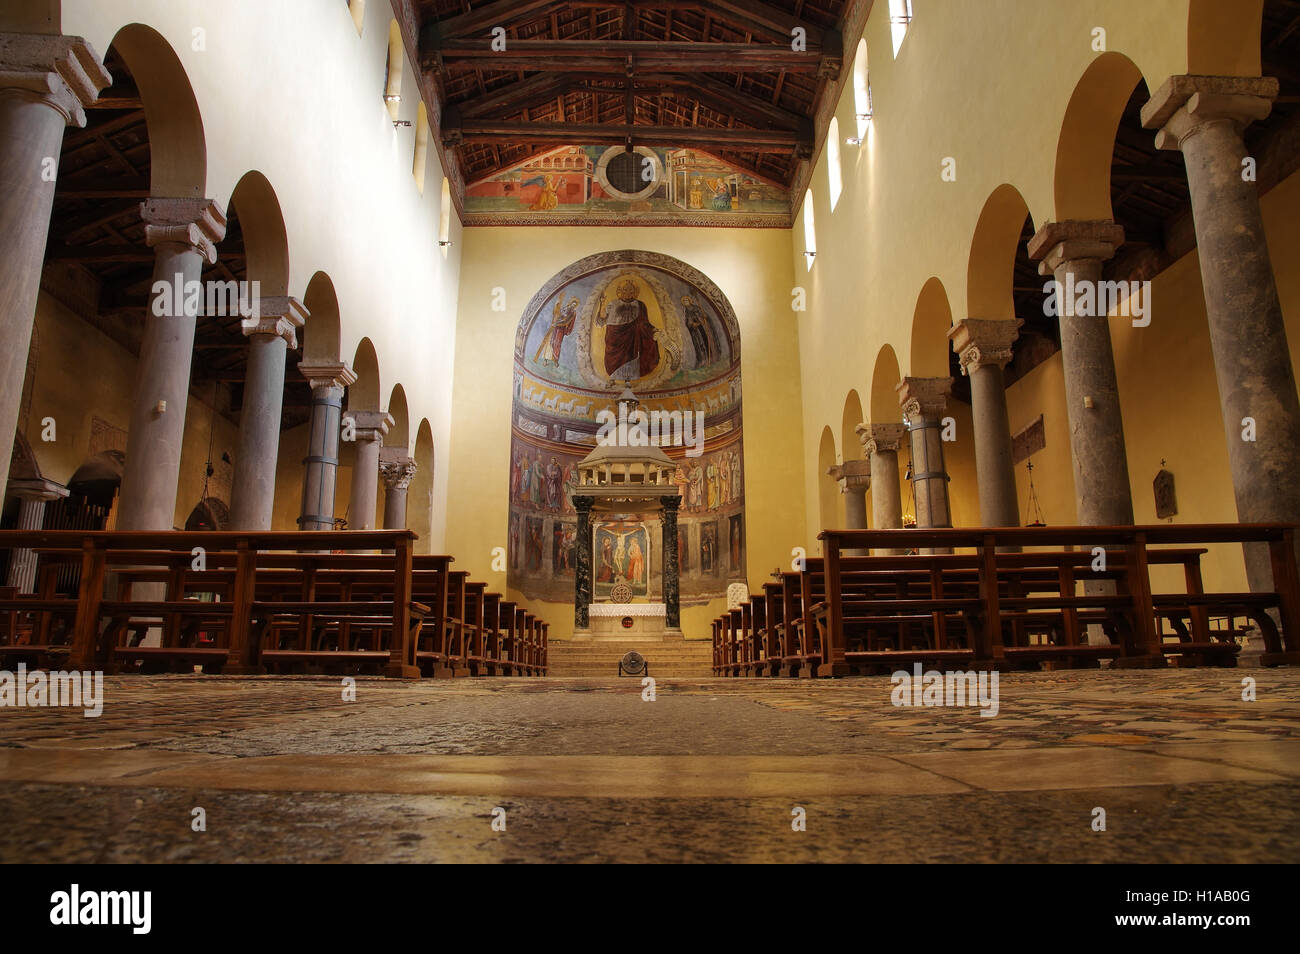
631	175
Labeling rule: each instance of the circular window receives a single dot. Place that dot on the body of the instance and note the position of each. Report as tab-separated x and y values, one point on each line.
629	175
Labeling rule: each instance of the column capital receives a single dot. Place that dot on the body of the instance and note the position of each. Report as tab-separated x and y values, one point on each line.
371	425
1074	239
396	471
37	488
878	438
924	398
334	374
984	342
851	475
670	503
583	503
279	315
1185	103
198	223
63	72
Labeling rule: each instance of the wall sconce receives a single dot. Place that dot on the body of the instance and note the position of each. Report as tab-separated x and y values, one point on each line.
392	98
401	122
810	256
853	141
444	243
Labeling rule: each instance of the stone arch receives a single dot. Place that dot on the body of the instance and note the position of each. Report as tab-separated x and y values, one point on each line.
884	379
829	511
321	334
849	421
399	432
419	498
357	10
363	395
266	241
1223	38
1081	178
931	320
177	150
990	270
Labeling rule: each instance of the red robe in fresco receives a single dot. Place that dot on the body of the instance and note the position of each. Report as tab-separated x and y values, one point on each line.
630	336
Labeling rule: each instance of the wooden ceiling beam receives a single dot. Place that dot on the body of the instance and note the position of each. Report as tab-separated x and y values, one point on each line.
764	19
620	56
523	133
434	32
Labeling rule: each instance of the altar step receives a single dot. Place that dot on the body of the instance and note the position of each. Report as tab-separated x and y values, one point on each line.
675	657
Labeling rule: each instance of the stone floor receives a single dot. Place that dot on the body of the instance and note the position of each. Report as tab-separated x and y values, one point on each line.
710	770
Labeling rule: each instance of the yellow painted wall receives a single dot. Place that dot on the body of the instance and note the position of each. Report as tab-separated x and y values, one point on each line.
750	266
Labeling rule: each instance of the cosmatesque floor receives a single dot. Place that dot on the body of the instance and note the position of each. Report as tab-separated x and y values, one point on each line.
285	769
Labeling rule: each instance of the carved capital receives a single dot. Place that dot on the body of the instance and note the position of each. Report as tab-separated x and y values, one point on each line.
1185	104
37	488
397	472
852	475
197	223
328	375
984	342
1072	240
280	315
63	72
370	425
880	438
923	399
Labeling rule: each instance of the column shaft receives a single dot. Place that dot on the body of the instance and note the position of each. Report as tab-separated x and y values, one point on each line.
672	596
365	484
320	466
582	565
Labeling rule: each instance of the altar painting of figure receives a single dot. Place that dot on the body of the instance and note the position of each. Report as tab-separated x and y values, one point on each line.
622	556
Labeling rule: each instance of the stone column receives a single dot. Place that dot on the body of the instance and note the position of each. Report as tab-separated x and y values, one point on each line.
923	401
1073	253
396	470
45	81
32	496
880	443
369	428
582	567
271	333
183	234
984	347
1203	116
854	478
322	461
672	593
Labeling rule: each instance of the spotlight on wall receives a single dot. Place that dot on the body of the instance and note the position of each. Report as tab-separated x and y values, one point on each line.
810	256
853	141
862	117
444	243
401	122
392	98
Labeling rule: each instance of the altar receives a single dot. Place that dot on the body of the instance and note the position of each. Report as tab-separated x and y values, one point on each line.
623	621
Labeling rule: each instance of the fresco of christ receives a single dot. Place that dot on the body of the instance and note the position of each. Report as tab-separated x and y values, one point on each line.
631	348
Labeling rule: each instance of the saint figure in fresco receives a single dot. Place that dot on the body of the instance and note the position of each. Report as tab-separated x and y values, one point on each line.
631	341
605	572
635	562
548	198
697	326
554	474
563	321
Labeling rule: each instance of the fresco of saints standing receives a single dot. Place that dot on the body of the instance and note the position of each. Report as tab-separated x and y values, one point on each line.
563	321
631	341
697	325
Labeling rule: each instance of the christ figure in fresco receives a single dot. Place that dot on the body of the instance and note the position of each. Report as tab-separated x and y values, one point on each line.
631	341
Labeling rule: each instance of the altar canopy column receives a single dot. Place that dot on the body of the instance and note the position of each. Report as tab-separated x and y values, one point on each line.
582	566
672	609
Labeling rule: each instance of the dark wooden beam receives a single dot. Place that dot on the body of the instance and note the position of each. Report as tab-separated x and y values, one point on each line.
612	57
520	133
529	92
765	19
434	32
99	254
103	189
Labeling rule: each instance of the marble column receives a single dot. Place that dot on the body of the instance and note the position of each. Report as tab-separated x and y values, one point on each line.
854	478
1203	116
672	588
923	401
45	83
396	470
984	348
32	496
880	442
328	382
1073	253
183	234
369	429
582	567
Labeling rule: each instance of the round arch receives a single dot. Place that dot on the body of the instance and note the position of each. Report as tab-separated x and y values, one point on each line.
1081	179
931	320
363	395
849	420
830	511
884	382
321	334
990	271
177	149
419	498
266	242
399	432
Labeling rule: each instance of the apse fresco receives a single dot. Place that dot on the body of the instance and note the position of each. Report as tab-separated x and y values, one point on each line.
652	323
604	184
